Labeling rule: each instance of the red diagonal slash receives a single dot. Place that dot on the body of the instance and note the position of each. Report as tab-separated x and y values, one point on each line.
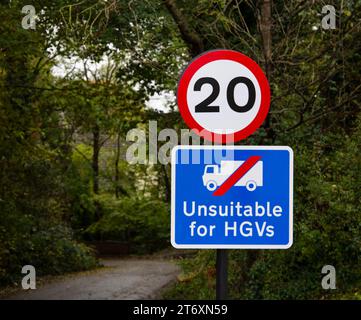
235	176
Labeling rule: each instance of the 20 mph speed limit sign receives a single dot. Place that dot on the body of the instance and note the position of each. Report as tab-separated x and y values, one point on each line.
223	95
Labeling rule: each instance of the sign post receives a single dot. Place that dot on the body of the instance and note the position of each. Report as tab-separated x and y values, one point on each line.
226	196
221	274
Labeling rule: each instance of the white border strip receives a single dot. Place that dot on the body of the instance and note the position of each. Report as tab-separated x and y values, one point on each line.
231	246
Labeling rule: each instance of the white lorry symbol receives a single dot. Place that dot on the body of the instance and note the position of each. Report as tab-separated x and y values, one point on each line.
215	175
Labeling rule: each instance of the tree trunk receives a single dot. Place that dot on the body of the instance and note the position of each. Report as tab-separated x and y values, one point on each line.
265	25
117	167
95	162
166	183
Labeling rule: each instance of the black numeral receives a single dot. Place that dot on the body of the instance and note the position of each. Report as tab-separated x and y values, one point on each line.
204	106
251	94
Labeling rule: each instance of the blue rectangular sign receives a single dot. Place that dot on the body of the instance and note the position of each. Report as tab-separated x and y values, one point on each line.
232	197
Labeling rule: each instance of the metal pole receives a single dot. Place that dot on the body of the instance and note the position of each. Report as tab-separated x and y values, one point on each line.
222	274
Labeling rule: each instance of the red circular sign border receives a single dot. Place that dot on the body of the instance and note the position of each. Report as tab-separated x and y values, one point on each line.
210	56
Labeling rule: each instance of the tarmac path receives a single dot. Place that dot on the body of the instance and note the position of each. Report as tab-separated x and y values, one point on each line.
126	279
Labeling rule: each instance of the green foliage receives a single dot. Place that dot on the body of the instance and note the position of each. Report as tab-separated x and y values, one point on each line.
50	251
32	227
78	187
35	164
198	278
141	222
327	225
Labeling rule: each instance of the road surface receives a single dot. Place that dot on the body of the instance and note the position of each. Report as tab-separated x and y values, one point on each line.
120	279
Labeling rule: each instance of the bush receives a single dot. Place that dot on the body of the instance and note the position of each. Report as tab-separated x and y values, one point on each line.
198	278
51	252
140	222
33	212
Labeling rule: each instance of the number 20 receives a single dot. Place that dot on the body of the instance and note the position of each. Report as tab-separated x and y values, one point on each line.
205	106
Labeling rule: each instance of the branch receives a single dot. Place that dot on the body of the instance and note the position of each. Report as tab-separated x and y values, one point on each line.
192	39
321	114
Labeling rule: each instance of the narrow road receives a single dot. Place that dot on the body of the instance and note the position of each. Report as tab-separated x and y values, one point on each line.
120	279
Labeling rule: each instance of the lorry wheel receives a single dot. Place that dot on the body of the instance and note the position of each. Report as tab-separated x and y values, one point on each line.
211	185
251	185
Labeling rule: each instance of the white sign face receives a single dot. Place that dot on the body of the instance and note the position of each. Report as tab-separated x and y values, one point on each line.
221	73
223	95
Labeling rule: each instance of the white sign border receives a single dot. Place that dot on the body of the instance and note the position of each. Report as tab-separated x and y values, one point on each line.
231	246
